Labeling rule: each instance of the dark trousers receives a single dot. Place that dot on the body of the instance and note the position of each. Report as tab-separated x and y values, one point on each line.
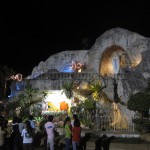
2	147
27	146
67	144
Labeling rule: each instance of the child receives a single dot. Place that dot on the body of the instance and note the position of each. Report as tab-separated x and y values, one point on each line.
67	133
76	134
27	134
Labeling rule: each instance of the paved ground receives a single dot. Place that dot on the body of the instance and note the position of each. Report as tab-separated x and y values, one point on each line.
60	144
40	148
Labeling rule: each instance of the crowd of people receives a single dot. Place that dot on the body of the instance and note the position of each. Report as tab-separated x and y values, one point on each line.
16	135
72	132
19	135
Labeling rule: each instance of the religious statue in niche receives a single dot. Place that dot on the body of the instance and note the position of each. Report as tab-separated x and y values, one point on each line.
116	68
115	64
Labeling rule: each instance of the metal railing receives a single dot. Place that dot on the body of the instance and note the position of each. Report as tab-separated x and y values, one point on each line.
107	123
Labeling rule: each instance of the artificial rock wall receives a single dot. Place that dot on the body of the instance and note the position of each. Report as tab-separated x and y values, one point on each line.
130	79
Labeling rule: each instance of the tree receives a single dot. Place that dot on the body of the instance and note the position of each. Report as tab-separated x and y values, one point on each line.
139	102
26	99
96	89
5	72
1	107
85	110
68	89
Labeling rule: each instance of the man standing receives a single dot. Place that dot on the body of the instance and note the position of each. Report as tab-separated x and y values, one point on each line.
50	129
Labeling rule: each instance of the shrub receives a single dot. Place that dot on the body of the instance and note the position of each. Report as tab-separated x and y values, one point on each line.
139	102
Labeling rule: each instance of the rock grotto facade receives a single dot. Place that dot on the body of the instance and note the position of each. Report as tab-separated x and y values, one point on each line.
119	58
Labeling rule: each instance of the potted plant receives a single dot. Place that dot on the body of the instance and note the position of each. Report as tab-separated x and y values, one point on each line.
37	120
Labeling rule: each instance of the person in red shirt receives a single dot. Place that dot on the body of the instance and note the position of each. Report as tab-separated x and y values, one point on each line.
76	134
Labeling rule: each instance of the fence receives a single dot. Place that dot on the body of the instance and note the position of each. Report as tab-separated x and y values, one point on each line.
104	122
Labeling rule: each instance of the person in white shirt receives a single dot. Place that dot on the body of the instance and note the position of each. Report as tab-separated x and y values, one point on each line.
50	130
27	134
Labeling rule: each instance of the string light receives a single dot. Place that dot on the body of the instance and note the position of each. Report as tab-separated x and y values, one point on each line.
17	77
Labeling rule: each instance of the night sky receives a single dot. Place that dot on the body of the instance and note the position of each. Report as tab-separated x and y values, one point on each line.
32	32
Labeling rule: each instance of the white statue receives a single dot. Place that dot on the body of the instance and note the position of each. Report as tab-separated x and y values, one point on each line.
44	106
115	63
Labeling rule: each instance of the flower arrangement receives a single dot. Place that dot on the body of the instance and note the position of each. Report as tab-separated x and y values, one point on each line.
59	124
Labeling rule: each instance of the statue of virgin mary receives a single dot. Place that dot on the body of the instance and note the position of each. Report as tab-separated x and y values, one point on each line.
115	64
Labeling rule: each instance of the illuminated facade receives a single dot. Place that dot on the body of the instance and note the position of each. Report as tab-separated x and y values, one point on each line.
119	58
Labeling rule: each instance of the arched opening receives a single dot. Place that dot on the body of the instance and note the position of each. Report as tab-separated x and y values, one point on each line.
113	58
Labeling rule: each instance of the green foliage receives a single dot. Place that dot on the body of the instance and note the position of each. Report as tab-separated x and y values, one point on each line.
84	110
5	73
138	120
25	99
89	104
38	119
44	93
139	102
1	107
12	105
68	89
73	109
96	90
